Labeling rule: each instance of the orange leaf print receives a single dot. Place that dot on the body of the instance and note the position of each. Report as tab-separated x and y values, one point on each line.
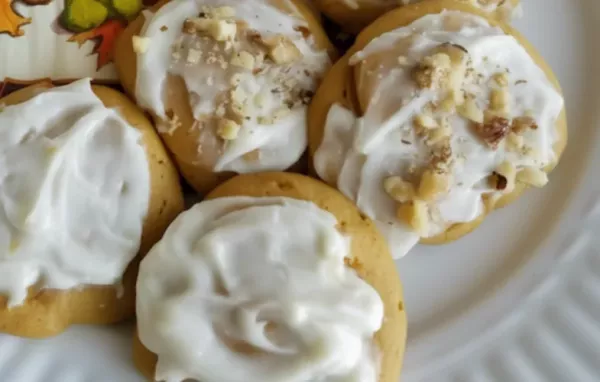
104	37
10	20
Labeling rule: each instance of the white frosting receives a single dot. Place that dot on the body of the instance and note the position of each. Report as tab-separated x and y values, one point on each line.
281	144
357	154
488	6
74	191
266	276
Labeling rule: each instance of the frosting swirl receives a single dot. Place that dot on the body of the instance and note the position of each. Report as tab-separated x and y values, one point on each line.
74	192
249	68
463	115
256	289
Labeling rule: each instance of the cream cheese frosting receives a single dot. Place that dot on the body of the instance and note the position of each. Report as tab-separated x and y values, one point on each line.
424	153
74	191
506	7
256	289
249	69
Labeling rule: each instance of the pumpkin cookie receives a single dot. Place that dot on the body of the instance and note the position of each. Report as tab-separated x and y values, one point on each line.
228	82
275	277
354	15
438	115
86	186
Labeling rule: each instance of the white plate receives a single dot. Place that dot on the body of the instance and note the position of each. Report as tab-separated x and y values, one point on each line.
516	301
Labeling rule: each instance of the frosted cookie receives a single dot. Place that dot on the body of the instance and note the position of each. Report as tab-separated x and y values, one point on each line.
354	15
437	116
275	277
228	82
85	186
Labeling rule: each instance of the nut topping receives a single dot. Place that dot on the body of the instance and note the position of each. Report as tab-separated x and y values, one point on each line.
471	111
432	71
520	124
505	176
532	176
399	189
243	59
227	129
416	214
140	44
433	185
492	132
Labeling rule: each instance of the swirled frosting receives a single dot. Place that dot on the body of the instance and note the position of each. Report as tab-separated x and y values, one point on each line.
74	191
250	69
452	109
256	289
505	7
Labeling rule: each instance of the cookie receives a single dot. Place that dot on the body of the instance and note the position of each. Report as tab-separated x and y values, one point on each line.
274	213
454	135
227	82
354	15
85	171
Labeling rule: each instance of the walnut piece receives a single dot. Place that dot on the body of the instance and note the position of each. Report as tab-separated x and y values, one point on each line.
514	142
506	175
228	129
140	44
433	185
432	71
399	189
532	176
416	214
284	52
500	100
243	59
426	121
492	132
220	30
501	79
520	124
471	111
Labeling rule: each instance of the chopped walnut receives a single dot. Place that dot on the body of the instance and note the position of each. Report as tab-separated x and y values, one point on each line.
501	79
284	52
399	189
520	124
493	132
433	185
220	30
228	129
426	121
432	71
224	12
438	134
500	100
532	176
140	44
514	142
506	174
243	59
471	111
416	214
441	157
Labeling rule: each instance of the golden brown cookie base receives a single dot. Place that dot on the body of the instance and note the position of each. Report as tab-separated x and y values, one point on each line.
337	88
354	19
370	258
183	141
48	312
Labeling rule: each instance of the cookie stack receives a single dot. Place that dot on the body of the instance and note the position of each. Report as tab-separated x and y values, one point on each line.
310	174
